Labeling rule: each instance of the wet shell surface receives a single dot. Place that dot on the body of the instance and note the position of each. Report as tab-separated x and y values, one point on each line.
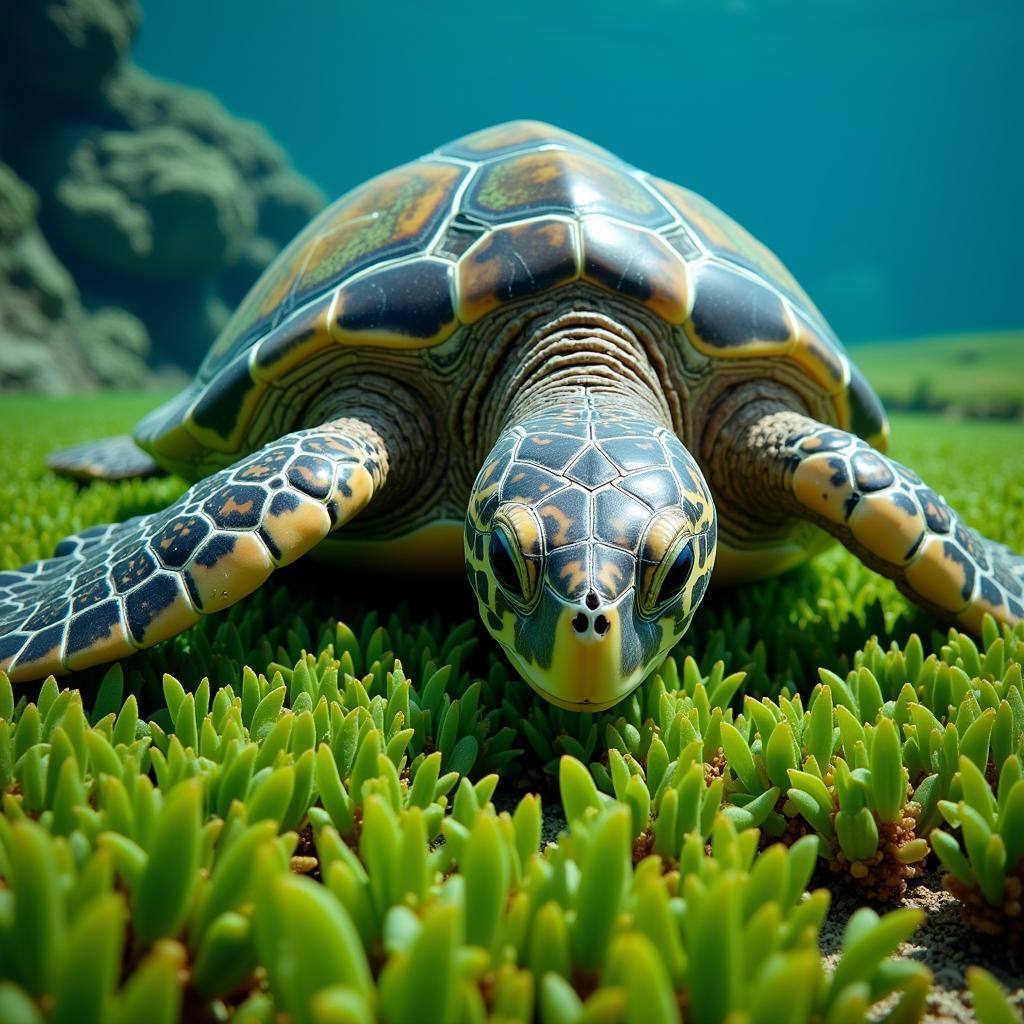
412	256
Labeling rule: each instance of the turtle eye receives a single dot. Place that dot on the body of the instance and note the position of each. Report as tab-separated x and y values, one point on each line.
663	581
667	556
676	575
505	564
514	550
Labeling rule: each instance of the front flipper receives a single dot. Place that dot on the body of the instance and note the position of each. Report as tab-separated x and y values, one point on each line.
112	458
115	589
884	513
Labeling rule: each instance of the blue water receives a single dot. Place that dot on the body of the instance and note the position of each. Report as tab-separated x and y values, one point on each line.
875	146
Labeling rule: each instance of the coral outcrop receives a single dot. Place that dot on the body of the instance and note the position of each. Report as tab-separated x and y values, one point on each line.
134	212
48	341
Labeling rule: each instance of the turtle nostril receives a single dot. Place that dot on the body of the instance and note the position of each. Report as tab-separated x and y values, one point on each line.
580	623
600	625
592	600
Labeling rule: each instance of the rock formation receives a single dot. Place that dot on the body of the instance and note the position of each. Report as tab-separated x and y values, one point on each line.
134	213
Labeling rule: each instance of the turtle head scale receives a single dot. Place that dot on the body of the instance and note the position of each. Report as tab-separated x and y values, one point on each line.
590	540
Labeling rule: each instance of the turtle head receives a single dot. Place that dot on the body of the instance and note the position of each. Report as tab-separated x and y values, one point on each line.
589	547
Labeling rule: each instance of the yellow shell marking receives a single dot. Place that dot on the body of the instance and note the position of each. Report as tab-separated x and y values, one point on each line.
212	440
722	232
822	360
315	327
841	404
880	441
178	449
780	341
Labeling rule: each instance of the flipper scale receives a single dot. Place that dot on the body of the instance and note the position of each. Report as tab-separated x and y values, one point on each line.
112	590
882	511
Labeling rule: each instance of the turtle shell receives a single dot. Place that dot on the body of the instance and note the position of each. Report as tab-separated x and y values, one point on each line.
412	256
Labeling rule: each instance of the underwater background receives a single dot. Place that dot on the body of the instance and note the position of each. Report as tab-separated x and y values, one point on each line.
876	147
154	159
155	156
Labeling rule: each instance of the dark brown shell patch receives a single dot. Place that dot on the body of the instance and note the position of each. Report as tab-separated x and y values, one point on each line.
513	262
405	304
636	264
733	311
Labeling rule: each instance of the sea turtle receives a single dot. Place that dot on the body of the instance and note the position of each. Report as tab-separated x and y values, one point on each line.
521	352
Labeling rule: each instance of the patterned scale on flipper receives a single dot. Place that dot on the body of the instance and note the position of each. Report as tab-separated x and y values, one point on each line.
888	516
112	590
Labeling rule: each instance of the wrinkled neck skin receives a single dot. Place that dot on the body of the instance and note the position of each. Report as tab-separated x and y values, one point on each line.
590	533
576	352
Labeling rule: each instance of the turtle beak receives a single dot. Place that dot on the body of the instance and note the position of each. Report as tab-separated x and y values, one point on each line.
586	669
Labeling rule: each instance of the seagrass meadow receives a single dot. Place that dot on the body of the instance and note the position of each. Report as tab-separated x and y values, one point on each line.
336	802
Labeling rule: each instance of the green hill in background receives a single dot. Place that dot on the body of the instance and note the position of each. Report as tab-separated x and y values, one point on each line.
977	375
